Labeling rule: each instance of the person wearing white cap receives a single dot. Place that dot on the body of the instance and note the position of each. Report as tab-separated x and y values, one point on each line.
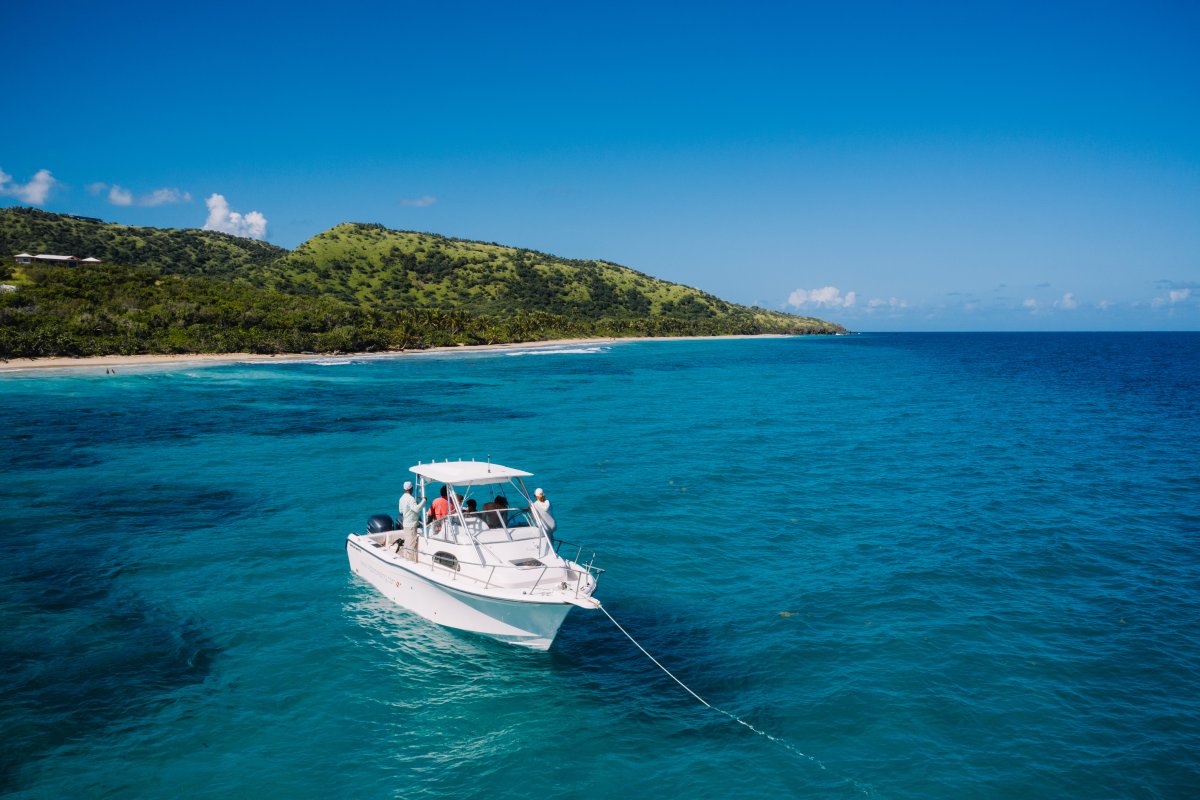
541	507
410	517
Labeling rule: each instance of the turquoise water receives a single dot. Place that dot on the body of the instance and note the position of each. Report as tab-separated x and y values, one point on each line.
931	566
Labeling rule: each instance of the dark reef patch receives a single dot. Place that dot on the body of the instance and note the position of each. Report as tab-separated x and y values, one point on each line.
85	655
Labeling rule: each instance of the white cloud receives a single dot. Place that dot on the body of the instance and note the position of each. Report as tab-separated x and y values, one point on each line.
164	196
252	225
120	197
829	296
1030	303
1173	297
1105	305
35	192
423	201
1067	303
890	303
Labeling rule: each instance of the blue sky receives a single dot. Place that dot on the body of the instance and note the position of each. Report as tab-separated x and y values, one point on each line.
917	166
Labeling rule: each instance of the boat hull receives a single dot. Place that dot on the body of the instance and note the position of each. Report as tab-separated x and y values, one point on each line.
531	623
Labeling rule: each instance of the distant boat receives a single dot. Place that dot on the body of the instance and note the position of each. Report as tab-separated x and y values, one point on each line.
497	572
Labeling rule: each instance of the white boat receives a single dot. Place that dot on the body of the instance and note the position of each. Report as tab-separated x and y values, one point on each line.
497	571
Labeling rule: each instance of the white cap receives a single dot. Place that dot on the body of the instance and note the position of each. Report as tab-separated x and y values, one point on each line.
538	492
407	485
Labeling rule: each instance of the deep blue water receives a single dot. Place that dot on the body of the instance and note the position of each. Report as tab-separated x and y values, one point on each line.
936	565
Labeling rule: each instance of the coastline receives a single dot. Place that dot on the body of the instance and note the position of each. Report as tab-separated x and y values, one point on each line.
215	359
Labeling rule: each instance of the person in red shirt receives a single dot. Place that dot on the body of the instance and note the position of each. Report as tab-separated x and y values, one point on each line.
440	507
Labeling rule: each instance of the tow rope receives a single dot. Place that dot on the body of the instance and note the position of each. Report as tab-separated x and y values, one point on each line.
704	702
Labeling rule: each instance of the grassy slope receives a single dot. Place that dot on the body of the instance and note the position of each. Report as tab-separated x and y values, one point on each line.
381	268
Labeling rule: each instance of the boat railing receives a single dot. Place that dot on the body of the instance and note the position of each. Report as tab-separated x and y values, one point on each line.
487	572
559	544
588	569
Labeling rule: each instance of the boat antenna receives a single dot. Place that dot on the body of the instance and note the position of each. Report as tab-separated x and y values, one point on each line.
489	463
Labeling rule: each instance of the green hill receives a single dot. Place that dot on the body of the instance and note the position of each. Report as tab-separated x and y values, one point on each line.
179	252
354	287
380	268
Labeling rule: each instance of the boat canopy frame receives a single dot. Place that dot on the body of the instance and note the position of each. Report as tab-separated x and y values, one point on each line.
467	473
479	473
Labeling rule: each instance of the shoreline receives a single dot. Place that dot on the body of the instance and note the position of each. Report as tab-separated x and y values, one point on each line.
215	359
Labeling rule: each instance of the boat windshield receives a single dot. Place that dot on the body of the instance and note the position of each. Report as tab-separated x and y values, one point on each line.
510	520
477	508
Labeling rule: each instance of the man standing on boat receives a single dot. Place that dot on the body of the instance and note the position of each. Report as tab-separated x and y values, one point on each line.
541	507
410	517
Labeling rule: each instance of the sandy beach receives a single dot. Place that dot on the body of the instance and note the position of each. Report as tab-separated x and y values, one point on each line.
211	359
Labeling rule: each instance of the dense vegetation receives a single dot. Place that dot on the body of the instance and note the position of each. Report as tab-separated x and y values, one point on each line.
181	252
383	268
98	310
353	288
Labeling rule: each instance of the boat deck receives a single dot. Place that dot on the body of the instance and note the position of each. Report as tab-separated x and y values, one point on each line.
545	575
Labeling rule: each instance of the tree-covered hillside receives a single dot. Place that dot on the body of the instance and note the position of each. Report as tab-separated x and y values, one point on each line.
381	268
178	252
108	309
354	287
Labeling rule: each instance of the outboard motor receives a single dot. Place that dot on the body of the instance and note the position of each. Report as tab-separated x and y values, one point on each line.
378	523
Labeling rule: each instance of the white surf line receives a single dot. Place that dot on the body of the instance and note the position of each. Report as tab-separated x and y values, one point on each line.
733	717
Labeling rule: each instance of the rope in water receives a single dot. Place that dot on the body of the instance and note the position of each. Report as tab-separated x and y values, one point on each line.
655	660
707	704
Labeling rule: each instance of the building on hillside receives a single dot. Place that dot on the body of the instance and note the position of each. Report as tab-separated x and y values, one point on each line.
46	258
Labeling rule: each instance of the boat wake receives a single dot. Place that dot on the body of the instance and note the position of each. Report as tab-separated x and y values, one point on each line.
558	351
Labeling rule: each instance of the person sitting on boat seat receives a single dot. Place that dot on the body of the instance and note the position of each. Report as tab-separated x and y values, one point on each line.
473	516
493	512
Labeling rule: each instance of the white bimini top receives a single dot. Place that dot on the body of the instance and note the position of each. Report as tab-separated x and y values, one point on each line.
467	473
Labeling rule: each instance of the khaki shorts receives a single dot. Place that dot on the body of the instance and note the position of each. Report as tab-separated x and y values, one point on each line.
410	538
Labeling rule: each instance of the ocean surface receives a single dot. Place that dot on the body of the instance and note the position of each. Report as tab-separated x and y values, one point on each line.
922	565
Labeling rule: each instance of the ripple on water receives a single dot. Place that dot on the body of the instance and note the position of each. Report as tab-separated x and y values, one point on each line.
941	566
